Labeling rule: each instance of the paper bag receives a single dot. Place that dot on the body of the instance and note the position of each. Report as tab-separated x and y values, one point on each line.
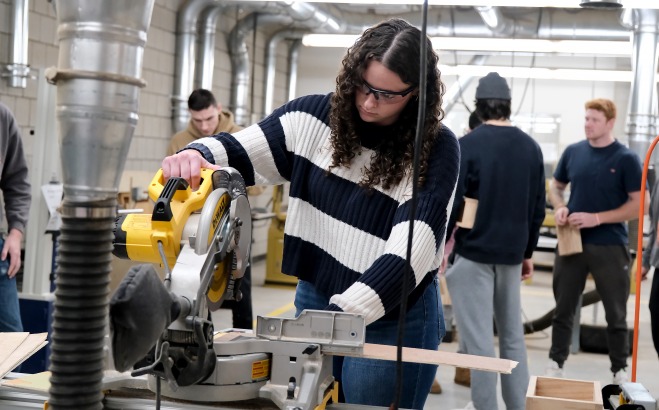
569	240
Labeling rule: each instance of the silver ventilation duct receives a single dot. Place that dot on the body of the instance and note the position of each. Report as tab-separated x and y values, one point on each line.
271	65
556	24
302	15
455	92
97	102
206	56
495	21
641	126
184	69
19	70
293	62
197	19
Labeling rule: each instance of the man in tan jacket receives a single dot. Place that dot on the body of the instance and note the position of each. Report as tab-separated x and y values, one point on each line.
206	118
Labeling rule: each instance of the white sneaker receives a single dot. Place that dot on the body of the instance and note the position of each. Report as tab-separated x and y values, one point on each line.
620	377
553	370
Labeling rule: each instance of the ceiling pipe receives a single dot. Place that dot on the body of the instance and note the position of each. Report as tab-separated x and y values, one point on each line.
184	65
293	62
495	21
19	70
303	15
206	56
554	24
207	35
454	93
197	20
641	122
271	65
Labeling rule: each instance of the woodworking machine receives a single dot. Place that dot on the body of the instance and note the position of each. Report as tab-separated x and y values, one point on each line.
163	328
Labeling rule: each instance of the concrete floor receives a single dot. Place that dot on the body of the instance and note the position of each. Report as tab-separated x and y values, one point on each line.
537	299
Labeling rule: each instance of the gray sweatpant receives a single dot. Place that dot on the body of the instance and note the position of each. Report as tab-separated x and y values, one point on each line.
480	292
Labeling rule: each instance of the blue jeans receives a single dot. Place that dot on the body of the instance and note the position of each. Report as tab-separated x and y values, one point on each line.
373	382
10	315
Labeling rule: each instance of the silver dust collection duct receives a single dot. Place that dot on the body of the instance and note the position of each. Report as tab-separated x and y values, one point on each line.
98	80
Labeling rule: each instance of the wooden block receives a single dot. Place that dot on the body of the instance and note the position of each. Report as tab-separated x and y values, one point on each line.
547	393
569	240
467	213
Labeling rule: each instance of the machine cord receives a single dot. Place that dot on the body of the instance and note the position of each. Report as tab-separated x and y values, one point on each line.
413	202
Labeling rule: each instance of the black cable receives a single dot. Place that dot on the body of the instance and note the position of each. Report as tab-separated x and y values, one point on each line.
420	130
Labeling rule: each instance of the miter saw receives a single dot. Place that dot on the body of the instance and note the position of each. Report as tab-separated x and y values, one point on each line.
163	328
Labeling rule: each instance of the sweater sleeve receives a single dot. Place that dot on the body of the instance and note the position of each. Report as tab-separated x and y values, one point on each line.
377	292
264	152
14	180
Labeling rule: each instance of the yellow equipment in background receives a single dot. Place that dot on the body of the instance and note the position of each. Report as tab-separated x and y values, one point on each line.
275	250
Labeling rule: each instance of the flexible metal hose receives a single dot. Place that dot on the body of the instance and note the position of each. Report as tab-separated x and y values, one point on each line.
81	307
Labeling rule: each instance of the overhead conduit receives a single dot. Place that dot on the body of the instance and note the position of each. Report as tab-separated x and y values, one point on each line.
554	24
18	67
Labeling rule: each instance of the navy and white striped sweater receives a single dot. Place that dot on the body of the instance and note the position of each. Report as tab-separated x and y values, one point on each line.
350	243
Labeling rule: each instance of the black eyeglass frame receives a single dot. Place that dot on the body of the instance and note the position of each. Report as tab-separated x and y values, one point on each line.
376	93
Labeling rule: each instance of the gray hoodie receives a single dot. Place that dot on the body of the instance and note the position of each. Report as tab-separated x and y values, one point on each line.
13	172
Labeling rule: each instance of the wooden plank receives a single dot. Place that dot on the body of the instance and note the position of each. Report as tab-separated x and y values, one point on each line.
9	342
386	352
29	346
39	382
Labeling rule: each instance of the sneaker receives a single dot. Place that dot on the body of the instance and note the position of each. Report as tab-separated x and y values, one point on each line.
620	377
554	370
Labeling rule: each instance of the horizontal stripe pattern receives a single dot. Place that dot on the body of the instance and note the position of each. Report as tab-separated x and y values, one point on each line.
350	242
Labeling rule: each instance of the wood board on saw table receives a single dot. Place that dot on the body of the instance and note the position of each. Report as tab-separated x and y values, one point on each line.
425	356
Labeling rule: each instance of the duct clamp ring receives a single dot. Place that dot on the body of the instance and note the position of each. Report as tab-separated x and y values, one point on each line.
53	75
89	212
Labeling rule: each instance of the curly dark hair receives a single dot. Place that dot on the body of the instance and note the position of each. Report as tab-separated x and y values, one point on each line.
395	44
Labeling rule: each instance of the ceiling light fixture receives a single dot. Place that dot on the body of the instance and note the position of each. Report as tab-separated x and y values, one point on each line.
539	73
613	48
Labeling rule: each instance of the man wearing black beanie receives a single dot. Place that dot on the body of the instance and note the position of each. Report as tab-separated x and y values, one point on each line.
502	168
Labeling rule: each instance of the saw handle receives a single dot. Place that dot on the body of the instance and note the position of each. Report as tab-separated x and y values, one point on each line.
162	210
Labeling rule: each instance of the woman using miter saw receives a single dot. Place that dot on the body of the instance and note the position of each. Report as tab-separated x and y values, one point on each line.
349	156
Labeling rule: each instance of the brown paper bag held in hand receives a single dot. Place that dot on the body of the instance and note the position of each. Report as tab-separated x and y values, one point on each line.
569	240
467	213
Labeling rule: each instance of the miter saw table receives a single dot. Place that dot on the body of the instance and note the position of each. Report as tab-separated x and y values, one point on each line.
286	364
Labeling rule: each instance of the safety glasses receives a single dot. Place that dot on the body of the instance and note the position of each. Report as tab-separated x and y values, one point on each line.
385	97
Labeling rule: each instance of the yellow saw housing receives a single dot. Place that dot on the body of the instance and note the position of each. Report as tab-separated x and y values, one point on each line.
137	236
